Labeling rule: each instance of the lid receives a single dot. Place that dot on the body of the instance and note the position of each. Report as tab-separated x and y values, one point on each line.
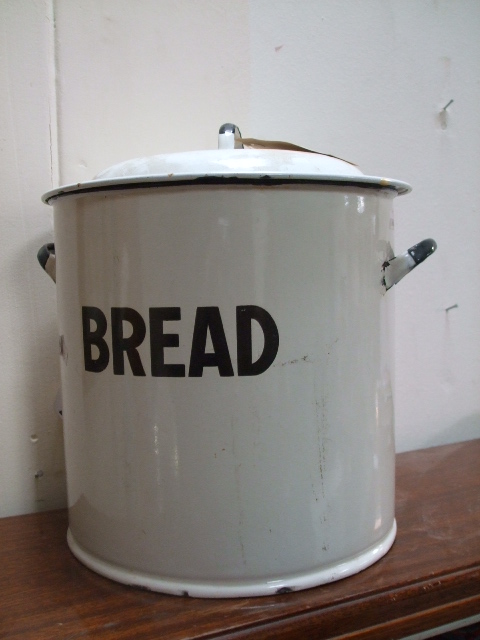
237	161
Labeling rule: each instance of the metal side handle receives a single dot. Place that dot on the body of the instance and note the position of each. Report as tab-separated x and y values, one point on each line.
398	267
46	258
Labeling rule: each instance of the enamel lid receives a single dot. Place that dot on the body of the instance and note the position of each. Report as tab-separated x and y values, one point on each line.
237	161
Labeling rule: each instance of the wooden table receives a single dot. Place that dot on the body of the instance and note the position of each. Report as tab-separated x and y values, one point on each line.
430	577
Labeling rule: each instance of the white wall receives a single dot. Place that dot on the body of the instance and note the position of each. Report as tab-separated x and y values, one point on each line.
30	434
87	83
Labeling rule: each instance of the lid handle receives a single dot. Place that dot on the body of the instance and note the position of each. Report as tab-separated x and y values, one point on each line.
229	137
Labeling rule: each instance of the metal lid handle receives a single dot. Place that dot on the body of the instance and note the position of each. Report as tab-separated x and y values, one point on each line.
229	137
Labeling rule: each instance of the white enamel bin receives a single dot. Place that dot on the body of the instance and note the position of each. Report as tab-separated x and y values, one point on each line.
226	364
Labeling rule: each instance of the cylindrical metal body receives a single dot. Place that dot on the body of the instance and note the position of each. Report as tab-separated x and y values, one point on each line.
227	379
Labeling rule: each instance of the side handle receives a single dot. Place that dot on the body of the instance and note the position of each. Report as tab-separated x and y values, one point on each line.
46	258
398	267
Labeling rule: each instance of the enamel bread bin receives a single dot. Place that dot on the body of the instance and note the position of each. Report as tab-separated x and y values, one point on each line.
226	364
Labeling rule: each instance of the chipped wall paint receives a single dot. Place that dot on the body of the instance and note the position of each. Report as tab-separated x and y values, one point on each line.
366	81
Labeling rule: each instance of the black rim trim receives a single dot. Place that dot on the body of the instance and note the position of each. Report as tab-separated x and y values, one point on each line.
262	181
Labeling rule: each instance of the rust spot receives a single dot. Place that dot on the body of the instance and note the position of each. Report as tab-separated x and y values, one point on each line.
296	361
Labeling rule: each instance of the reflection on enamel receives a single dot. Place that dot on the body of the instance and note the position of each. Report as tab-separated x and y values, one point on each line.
156	450
360	204
224	224
161	451
155	439
175	460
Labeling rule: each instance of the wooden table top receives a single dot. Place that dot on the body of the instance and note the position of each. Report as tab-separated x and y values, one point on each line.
430	577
